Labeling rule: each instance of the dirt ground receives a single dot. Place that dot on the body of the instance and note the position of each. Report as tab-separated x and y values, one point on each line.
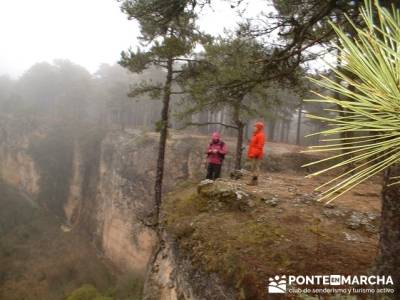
282	229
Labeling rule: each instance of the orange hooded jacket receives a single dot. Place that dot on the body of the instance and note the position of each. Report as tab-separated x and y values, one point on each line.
256	145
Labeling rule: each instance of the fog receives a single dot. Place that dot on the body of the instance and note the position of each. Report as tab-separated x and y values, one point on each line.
58	61
88	33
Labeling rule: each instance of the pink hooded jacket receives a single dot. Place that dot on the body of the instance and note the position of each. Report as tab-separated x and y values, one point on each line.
216	150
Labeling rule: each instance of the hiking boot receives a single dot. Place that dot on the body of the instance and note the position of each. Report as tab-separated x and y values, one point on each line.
254	181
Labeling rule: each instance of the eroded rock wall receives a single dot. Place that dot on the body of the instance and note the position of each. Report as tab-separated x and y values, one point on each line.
174	277
108	191
124	194
17	167
119	204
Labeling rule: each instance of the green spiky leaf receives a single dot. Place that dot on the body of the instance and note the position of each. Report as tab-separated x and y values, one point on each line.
370	108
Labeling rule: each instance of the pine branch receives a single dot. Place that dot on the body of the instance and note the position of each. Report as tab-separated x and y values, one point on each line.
209	123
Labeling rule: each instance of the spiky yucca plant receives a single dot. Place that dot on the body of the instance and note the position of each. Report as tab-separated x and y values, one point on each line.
371	66
365	134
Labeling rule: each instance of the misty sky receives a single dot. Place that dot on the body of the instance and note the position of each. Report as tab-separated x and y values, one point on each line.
87	32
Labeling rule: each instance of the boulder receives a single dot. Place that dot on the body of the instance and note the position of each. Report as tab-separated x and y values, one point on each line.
360	220
223	195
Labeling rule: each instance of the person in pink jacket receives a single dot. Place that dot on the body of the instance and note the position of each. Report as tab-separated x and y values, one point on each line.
216	152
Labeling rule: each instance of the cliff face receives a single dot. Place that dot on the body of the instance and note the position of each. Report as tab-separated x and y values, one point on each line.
104	187
174	276
124	192
16	166
123	202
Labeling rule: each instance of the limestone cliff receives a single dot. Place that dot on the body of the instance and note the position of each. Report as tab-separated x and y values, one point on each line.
16	165
103	186
174	276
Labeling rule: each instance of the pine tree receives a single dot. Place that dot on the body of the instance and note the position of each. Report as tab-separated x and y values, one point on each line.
169	32
230	76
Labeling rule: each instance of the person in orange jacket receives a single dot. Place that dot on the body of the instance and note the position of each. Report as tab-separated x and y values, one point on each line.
256	151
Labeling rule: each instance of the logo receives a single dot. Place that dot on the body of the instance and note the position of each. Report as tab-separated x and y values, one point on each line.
335	279
277	285
330	284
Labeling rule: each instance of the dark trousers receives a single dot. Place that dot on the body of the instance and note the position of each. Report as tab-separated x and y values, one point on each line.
213	171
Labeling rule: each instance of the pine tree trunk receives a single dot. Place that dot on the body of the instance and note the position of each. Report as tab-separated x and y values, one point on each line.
163	138
271	130
239	140
388	262
282	138
287	131
239	146
299	123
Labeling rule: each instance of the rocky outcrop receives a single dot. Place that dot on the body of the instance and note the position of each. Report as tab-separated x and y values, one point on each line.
123	202
173	274
17	167
173	277
72	207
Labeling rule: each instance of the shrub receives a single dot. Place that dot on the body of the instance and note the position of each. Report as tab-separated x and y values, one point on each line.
87	292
